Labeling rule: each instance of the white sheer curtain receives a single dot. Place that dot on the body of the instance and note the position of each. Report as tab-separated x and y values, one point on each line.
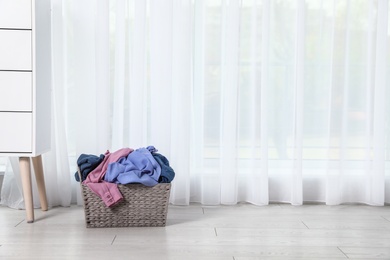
250	100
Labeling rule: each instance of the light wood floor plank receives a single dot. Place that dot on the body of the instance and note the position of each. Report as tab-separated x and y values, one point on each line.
153	251
242	232
282	258
308	233
255	241
367	252
348	224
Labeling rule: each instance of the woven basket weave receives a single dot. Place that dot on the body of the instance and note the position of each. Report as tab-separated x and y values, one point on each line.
141	206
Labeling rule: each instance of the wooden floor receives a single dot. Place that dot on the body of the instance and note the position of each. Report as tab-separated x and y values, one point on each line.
241	232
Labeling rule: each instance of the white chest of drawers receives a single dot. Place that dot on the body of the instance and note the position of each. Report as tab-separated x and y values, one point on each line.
25	86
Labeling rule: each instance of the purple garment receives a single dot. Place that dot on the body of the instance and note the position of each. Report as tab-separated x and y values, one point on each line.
138	167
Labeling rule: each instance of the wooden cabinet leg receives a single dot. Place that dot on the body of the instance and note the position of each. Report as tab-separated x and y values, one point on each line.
38	169
25	173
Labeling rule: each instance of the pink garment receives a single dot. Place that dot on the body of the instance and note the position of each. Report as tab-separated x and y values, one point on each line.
108	192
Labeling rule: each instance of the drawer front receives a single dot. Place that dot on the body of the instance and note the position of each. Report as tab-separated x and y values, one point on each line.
15	132
15	14
15	50
15	91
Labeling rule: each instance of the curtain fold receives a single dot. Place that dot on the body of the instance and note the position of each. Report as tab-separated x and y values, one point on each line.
229	98
138	73
251	101
381	83
181	94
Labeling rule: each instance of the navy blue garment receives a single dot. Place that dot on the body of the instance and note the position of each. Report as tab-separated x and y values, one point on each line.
151	149
138	167
87	163
167	173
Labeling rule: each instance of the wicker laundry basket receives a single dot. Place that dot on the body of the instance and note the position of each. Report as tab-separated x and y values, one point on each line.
141	206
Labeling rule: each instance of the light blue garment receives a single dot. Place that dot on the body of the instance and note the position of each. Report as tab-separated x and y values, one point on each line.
138	167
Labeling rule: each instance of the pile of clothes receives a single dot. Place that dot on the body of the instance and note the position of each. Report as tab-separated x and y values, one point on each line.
103	173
